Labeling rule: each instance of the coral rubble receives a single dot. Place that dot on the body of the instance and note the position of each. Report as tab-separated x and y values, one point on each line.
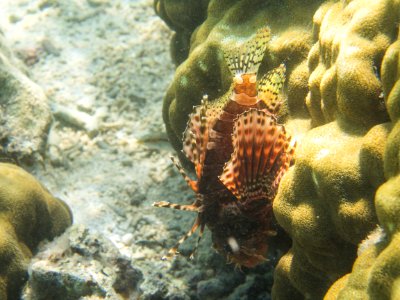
28	215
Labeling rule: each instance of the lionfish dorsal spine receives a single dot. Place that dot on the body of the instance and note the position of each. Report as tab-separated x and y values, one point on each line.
247	58
270	87
196	135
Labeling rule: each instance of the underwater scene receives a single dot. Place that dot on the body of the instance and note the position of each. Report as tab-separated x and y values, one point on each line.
199	149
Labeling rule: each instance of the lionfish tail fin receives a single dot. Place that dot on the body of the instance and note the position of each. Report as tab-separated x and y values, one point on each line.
248	57
270	87
261	154
195	137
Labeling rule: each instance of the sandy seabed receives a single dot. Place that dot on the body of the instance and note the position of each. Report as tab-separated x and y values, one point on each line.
105	66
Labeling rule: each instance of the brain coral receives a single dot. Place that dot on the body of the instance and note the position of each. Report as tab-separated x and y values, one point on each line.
376	272
183	17
28	215
326	201
227	24
335	108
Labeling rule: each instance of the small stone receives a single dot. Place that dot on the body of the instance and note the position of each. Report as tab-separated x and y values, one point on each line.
49	47
127	239
95	3
14	18
127	163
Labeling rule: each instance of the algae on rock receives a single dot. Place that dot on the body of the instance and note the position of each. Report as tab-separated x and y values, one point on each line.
24	111
28	215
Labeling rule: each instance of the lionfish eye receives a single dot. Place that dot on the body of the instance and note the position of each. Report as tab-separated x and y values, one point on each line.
238	79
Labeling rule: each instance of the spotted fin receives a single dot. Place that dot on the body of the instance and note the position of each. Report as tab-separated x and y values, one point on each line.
261	155
191	207
248	57
270	86
195	137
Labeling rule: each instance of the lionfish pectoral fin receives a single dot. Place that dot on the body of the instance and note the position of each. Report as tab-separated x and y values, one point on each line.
174	250
195	137
248	57
193	184
202	226
287	162
166	204
270	87
261	151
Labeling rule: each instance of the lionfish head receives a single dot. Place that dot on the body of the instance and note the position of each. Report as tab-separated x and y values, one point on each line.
245	83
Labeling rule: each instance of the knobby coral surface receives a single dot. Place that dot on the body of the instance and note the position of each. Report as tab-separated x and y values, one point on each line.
28	215
228	24
183	17
376	272
335	107
326	202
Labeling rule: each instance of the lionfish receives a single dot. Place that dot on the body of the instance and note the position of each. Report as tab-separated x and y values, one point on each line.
240	153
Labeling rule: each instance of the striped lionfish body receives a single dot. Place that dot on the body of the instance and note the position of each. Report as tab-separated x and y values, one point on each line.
240	154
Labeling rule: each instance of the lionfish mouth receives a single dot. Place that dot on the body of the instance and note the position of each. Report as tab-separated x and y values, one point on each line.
248	258
243	256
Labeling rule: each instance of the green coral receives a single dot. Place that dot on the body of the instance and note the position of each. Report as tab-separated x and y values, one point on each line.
380	262
183	17
339	109
229	23
28	215
326	201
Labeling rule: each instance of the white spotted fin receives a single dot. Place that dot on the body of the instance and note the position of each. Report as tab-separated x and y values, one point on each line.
262	153
248	57
195	137
270	86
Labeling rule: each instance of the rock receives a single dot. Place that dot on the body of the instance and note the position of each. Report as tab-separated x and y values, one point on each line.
78	118
81	264
24	111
